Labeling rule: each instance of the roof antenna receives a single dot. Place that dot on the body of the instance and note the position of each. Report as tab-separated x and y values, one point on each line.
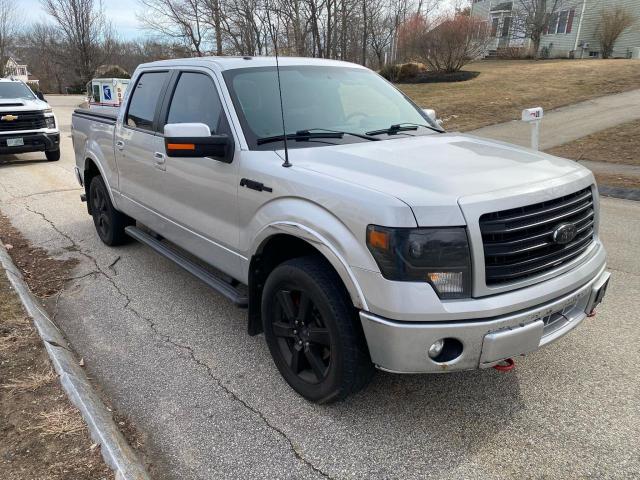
286	163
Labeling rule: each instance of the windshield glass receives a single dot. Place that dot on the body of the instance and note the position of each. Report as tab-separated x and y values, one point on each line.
342	99
15	90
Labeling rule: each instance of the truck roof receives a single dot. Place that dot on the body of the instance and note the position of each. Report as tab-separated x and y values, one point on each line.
230	63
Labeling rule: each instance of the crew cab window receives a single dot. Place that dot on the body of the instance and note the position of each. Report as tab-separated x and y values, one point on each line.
144	99
195	100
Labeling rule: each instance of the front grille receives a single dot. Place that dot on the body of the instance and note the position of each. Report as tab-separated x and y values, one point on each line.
518	243
24	121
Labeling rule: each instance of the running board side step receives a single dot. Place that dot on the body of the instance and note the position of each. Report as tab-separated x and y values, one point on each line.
219	285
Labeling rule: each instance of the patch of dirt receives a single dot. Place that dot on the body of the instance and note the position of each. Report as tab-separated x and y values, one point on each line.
42	435
44	275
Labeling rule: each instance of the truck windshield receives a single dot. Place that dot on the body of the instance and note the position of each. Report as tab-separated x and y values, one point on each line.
339	99
15	90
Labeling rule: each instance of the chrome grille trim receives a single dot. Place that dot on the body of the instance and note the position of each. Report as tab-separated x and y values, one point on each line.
518	242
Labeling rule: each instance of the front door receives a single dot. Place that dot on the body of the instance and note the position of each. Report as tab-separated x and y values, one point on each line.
199	194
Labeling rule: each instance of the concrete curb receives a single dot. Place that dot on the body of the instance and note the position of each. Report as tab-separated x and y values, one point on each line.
116	451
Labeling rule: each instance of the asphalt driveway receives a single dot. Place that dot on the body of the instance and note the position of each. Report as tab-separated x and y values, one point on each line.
174	358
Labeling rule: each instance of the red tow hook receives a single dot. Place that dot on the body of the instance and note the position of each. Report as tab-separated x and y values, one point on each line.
506	365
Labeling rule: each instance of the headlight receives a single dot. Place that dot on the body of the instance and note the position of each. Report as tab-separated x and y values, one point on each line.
47	110
50	122
439	256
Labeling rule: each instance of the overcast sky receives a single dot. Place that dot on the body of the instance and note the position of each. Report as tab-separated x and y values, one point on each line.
121	13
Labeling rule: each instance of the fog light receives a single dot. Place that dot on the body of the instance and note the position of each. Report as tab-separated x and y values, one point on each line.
436	348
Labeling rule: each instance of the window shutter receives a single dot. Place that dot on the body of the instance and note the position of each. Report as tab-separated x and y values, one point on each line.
572	12
546	24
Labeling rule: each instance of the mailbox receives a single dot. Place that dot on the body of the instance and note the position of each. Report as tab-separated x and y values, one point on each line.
532	114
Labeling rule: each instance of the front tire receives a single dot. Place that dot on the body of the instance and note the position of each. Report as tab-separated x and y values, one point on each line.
313	332
109	222
53	155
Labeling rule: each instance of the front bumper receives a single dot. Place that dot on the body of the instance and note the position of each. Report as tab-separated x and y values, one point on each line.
401	347
33	142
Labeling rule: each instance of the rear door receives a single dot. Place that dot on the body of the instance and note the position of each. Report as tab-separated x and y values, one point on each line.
199	194
135	145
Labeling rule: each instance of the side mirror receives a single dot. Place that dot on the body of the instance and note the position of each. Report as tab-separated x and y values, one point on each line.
40	96
195	140
431	113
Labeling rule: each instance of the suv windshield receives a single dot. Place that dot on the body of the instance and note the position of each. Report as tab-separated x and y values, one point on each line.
15	90
338	99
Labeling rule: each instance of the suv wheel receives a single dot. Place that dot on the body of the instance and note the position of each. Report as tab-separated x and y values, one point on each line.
109	222
313	332
53	155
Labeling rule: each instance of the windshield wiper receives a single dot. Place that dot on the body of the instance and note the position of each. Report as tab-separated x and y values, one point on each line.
400	127
300	135
353	134
310	134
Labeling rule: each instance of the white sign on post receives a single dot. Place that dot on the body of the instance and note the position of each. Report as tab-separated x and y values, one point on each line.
534	117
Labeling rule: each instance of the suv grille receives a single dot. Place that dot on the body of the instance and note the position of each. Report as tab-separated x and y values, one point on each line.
519	243
24	121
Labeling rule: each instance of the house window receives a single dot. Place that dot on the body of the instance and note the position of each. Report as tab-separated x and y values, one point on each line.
562	21
494	27
553	23
505	26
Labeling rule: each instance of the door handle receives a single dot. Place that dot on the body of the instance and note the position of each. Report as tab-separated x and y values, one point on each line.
120	144
159	161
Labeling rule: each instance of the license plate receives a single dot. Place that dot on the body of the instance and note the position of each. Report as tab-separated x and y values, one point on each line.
15	142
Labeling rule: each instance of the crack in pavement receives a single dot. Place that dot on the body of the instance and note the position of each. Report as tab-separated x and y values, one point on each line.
167	339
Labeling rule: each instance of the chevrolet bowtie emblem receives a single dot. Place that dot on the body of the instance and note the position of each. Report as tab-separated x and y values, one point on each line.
8	118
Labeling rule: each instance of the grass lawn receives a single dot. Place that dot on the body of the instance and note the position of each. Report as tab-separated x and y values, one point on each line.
505	87
43	435
619	145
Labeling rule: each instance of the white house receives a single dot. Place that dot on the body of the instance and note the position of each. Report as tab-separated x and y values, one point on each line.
19	71
571	30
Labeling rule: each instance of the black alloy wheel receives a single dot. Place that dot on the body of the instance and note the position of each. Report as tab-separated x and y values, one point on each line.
109	222
303	338
313	332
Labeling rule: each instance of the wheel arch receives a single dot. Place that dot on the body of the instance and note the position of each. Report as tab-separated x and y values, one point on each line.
93	168
282	241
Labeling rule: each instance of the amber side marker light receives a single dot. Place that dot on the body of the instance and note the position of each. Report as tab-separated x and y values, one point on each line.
378	239
181	146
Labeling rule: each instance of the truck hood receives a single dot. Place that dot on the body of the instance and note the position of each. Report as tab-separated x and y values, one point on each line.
21	105
431	173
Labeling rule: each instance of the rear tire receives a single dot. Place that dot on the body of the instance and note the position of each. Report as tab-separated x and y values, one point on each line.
109	222
313	332
53	155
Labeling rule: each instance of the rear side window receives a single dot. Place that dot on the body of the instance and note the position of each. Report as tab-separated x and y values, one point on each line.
196	100
144	100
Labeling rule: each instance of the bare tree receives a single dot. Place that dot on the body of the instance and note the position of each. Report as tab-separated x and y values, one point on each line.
10	22
38	47
83	28
182	20
612	24
452	43
531	19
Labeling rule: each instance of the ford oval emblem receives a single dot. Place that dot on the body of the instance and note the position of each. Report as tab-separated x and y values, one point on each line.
564	233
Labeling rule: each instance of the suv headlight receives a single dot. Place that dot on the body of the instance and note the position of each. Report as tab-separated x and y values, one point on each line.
50	122
439	256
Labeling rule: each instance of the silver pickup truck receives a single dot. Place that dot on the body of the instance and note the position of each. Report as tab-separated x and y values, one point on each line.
366	237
